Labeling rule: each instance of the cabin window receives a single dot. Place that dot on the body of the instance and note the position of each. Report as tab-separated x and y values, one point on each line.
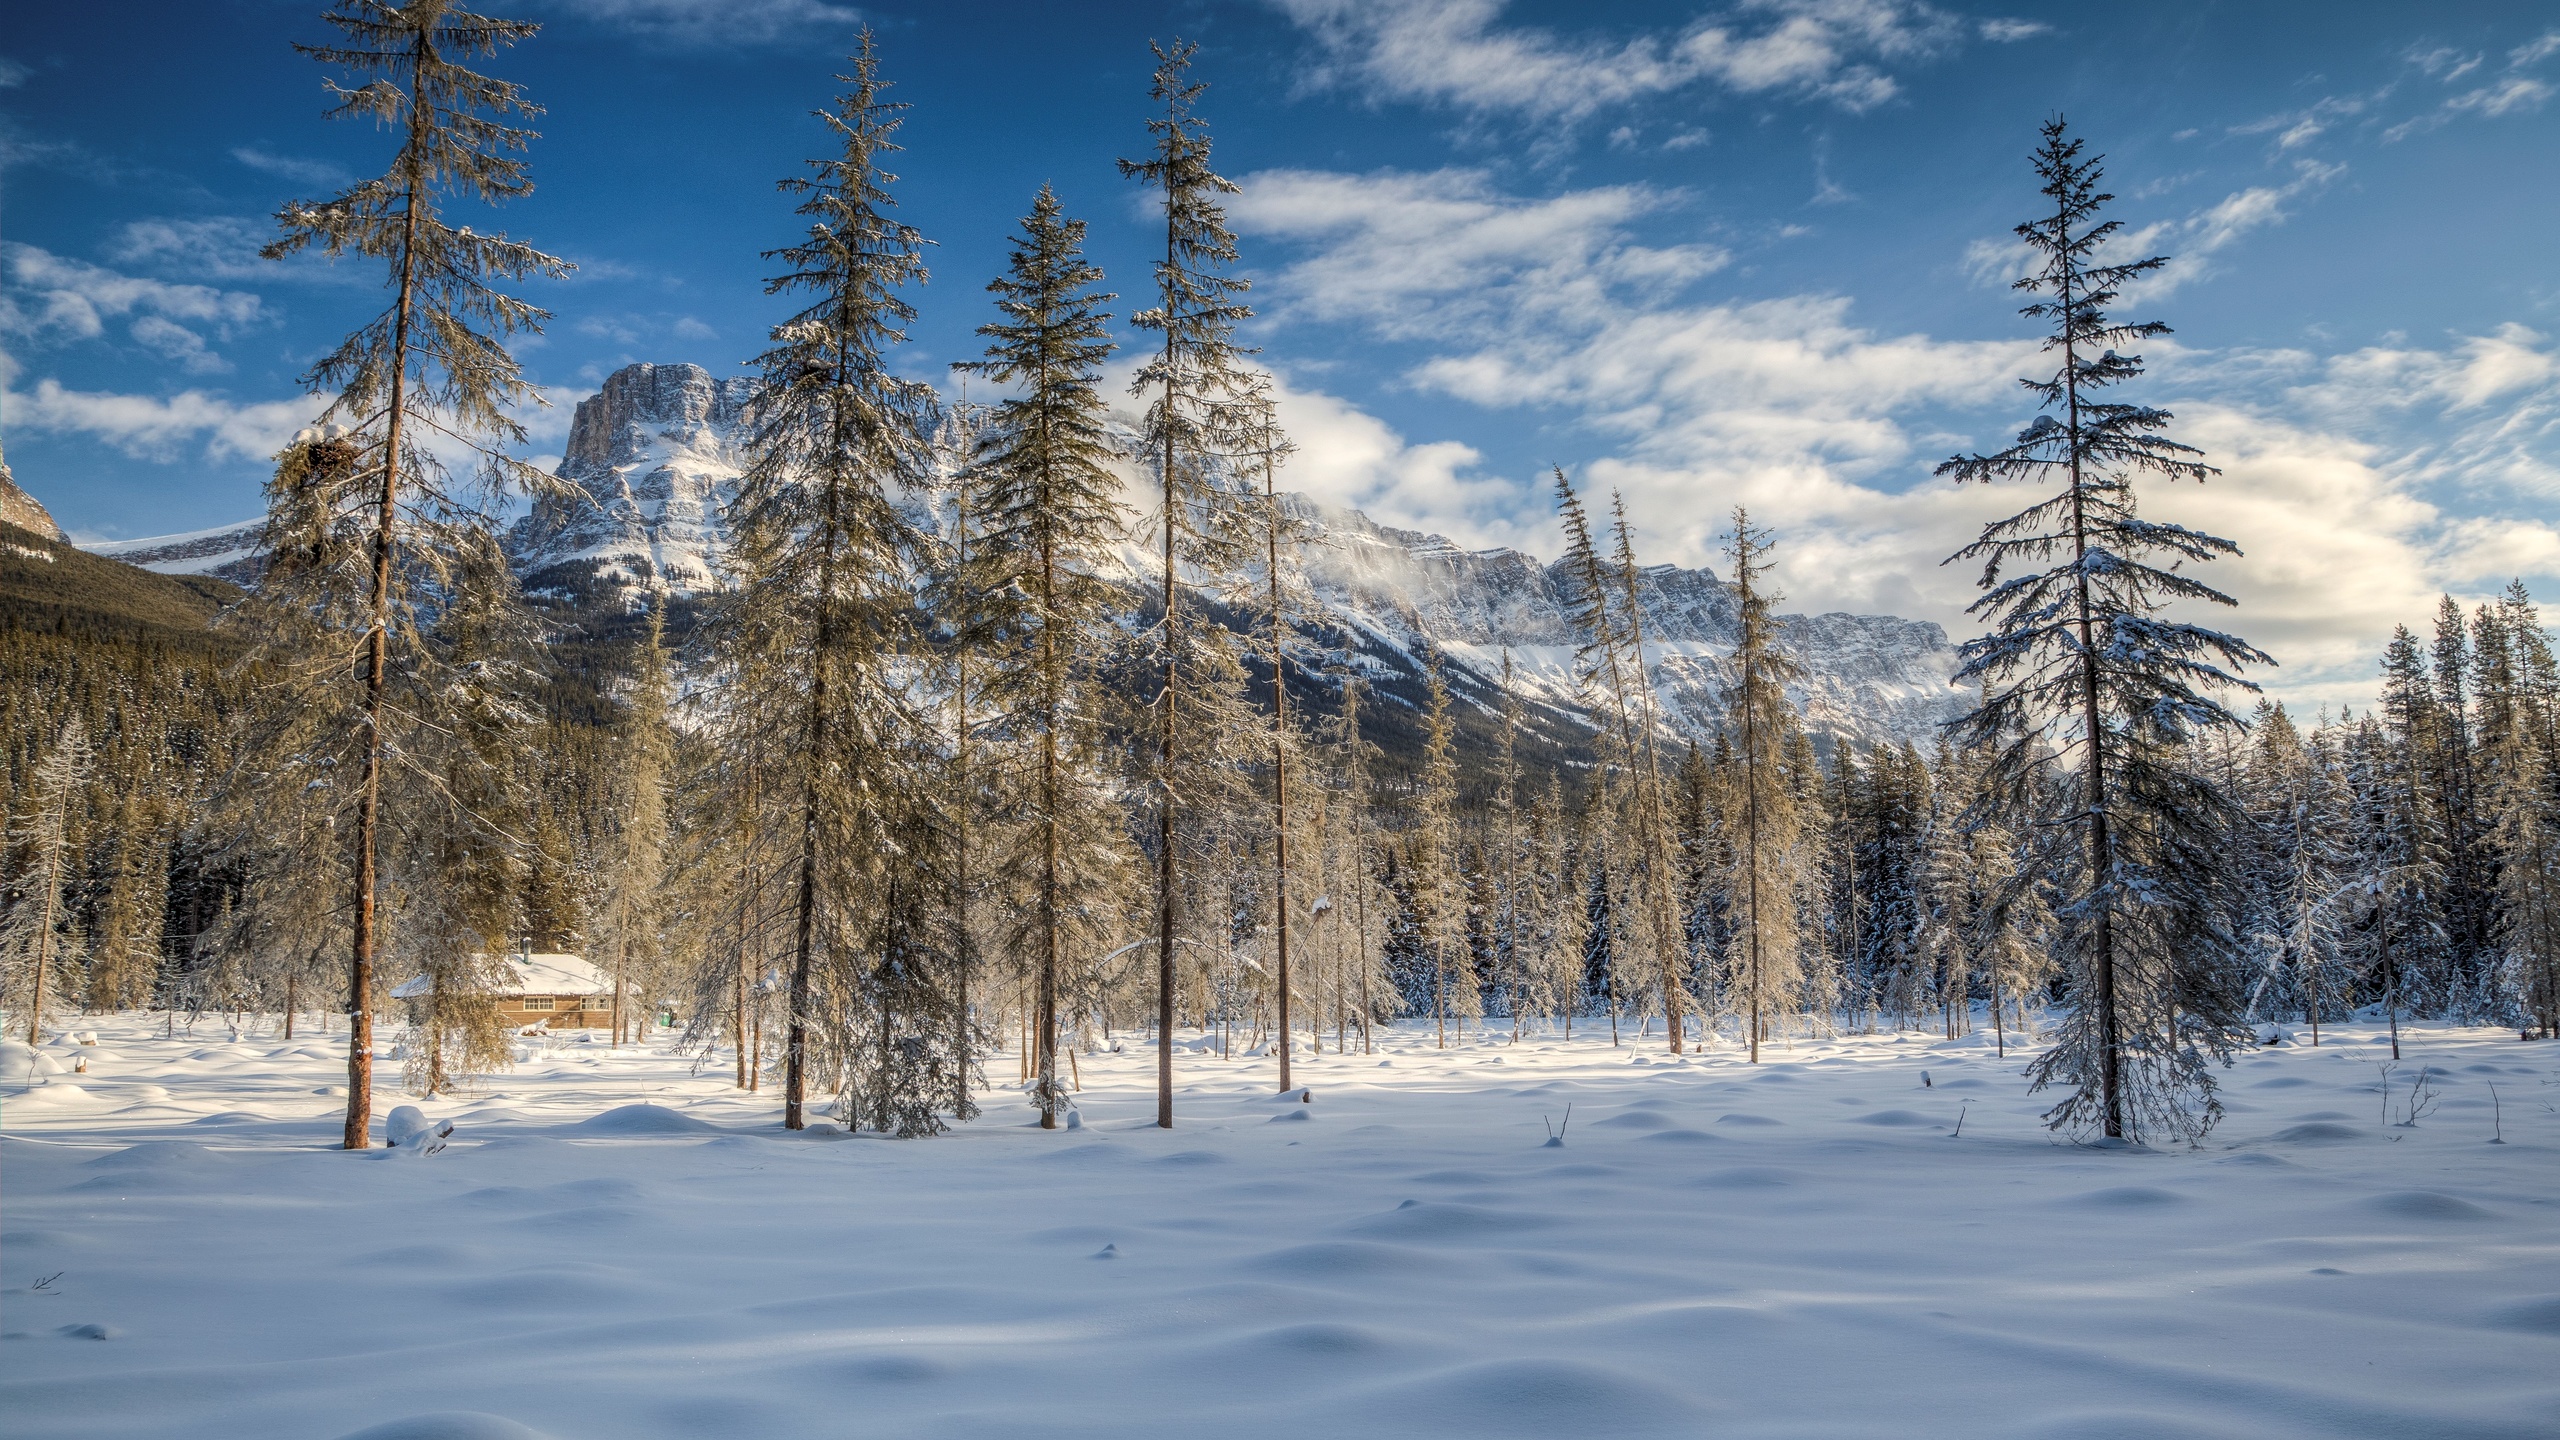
599	1002
538	1002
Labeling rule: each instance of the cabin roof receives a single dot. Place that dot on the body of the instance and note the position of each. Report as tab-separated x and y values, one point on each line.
532	975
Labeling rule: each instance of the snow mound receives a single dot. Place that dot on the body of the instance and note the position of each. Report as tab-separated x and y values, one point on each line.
1637	1120
448	1425
1749	1177
2541	1316
1894	1117
1433	1220
2129	1197
1741	1119
646	1120
2319	1132
2425	1205
158	1155
1345	1260
22	1065
1534	1398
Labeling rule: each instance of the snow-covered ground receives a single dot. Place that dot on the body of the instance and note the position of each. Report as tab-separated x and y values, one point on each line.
1805	1248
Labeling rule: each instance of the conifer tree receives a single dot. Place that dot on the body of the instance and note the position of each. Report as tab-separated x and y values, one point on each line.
818	620
1190	378
1439	889
1769	874
2079	656
1050	513
432	364
1657	880
38	938
631	908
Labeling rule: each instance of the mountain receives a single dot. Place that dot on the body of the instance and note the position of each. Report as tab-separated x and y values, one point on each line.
226	552
23	510
653	459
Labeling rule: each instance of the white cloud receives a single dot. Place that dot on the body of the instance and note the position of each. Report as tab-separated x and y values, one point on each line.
1455	53
2006	32
320	174
2190	241
179	345
2359	484
2514	91
708	23
1415	255
222	247
12	74
162	427
51	296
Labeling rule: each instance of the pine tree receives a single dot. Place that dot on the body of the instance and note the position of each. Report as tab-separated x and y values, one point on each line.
2519	687
1051	512
1190	379
38	942
1768	873
2080	656
630	910
435	362
1658	882
1438	886
817	622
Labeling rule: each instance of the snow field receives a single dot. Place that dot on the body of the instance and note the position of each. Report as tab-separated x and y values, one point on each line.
614	1247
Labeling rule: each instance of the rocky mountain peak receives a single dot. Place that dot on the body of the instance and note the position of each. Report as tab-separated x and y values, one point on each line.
653	458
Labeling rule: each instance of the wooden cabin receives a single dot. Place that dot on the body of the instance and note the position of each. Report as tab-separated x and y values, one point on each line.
553	992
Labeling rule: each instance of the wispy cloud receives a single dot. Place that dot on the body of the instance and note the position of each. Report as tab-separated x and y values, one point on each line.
1445	253
2514	89
318	174
2191	241
714	23
1456	53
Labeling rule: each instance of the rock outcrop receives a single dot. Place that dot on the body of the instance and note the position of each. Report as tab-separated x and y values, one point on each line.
22	509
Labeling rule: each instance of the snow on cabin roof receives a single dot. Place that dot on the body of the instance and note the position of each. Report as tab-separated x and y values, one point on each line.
534	975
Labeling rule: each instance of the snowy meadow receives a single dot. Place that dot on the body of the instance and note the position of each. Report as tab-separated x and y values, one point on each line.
614	1246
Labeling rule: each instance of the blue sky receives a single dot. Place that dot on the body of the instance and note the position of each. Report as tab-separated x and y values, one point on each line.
1706	254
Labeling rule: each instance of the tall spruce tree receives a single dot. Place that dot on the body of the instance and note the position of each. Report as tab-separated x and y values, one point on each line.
1658	882
1769	874
1188	381
2083	673
37	938
1050	509
818	620
433	363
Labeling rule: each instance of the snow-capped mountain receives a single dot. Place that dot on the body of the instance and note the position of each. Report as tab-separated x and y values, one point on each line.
653	460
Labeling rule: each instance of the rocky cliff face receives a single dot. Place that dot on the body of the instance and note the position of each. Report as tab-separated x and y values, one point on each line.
654	460
22	509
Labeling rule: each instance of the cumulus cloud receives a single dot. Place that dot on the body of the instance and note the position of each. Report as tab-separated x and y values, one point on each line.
163	427
2360	483
1457	53
52	297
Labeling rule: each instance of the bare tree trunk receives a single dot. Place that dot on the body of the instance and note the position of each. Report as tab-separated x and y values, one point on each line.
1166	873
376	665
1279	767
